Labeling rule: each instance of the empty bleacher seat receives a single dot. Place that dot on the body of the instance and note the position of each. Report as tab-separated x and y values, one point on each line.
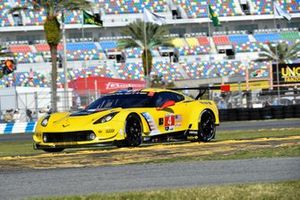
267	37
221	40
108	45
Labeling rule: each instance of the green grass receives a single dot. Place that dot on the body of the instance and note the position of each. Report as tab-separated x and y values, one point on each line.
280	190
288	151
19	148
252	134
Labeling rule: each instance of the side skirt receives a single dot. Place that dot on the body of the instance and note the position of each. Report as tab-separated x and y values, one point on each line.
167	137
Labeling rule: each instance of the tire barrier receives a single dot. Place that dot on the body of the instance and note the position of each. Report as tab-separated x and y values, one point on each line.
270	112
296	110
277	112
12	128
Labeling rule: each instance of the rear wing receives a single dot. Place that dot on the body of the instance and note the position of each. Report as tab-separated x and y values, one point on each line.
203	89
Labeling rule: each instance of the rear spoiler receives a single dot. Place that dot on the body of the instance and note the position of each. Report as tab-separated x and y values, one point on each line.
203	89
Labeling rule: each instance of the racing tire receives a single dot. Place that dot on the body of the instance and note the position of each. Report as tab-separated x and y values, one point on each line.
54	150
133	130
206	127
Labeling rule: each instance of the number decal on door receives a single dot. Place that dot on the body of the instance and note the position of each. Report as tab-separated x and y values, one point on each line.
169	122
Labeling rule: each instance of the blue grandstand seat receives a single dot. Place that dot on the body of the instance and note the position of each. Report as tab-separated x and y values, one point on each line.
137	6
133	52
168	71
205	69
238	39
267	37
130	70
4	9
242	43
83	51
193	9
108	45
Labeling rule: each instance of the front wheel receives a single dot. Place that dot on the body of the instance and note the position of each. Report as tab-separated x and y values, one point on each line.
206	127
133	130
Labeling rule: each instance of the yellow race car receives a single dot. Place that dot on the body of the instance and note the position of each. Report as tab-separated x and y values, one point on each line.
127	118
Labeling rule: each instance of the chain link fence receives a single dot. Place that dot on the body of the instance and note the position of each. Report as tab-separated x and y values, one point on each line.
26	106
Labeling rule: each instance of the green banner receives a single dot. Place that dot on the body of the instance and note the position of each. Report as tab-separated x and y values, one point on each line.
213	16
91	19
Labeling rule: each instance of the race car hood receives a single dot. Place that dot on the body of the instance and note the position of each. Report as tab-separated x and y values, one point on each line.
78	120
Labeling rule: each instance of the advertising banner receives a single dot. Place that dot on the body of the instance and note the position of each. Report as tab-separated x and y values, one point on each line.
104	85
288	74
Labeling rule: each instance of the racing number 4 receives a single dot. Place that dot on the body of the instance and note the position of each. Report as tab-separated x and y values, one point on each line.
169	122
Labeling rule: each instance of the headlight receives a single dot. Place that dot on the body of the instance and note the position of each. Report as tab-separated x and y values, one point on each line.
91	136
45	138
106	118
45	121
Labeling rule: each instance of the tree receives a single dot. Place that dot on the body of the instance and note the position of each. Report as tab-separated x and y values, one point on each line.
52	29
155	36
280	52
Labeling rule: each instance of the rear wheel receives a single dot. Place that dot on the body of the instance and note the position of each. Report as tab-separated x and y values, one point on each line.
206	127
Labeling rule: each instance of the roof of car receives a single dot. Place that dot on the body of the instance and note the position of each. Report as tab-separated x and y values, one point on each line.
146	90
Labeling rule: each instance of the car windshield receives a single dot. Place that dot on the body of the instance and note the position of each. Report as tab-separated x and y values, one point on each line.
123	101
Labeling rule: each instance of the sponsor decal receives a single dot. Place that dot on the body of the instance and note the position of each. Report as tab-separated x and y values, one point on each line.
169	122
115	85
160	121
253	85
178	120
288	73
153	128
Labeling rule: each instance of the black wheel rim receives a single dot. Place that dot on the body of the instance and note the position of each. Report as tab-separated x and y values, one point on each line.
207	127
133	131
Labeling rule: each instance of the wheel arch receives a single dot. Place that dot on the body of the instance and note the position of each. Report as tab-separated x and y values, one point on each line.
139	117
197	118
207	110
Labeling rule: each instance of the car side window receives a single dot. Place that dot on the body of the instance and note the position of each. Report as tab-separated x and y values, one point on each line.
162	97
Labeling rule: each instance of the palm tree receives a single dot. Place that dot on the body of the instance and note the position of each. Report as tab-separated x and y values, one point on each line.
279	52
52	29
145	36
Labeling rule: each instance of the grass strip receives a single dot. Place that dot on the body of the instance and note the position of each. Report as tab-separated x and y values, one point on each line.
22	148
287	151
252	134
279	190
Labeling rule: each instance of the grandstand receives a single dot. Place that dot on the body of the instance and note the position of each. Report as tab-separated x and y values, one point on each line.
202	51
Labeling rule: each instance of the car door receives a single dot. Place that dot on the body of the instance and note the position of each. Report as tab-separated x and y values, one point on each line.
169	119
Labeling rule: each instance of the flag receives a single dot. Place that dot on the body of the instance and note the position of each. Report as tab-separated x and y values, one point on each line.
153	18
213	16
91	19
279	12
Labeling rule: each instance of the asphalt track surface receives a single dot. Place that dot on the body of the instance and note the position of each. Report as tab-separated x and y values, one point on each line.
34	183
225	126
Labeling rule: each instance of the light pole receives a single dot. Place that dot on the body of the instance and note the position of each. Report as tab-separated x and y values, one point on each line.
66	95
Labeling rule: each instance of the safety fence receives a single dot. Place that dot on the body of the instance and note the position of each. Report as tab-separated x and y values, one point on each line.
12	128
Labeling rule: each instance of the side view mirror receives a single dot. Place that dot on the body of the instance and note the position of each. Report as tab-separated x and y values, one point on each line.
166	104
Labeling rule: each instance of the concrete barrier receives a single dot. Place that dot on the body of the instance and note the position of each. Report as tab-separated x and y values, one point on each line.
12	128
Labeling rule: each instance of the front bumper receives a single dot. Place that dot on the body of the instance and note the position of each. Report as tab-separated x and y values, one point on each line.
41	146
48	138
